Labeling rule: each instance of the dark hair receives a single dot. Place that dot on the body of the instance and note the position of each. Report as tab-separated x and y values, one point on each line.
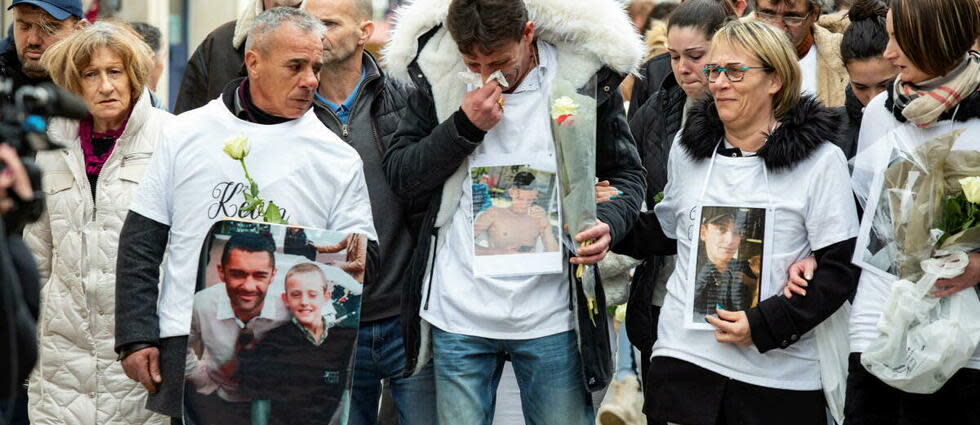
249	242
485	25
524	181
935	34
708	16
149	33
660	12
866	37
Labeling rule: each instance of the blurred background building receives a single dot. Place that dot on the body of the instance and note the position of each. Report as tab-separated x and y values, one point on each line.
183	25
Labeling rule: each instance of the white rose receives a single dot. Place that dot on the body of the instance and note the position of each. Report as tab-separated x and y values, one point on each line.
563	106
237	147
971	188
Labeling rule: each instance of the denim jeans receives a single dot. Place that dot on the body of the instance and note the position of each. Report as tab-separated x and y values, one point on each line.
381	355
548	370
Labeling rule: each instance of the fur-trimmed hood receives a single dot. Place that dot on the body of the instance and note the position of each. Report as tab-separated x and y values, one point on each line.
800	133
588	35
247	18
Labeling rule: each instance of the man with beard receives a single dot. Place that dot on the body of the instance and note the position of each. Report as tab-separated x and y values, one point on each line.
219	58
229	318
37	25
359	103
554	335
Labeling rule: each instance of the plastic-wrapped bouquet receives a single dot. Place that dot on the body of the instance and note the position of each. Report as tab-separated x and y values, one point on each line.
573	124
922	219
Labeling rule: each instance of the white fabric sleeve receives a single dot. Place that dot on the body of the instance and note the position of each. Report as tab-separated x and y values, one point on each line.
154	196
352	208
831	215
666	210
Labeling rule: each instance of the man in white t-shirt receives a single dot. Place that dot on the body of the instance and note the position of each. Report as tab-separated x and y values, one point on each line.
818	48
469	317
315	178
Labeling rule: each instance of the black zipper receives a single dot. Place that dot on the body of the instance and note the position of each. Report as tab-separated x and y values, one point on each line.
432	266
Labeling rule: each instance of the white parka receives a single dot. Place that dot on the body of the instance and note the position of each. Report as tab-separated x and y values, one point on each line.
78	379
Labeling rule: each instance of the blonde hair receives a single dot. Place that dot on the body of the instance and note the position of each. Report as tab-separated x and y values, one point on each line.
303	268
66	59
773	49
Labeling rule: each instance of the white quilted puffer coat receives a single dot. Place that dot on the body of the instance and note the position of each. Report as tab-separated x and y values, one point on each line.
78	379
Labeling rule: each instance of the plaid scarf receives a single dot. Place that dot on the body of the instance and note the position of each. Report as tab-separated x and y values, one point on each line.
923	104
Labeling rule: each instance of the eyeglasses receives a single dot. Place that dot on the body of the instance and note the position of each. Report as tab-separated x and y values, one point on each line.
734	71
789	21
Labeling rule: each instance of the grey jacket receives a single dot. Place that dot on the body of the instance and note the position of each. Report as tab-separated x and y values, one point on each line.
373	119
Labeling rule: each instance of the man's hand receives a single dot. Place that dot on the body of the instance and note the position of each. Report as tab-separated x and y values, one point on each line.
13	177
799	275
143	366
731	327
483	106
969	279
596	251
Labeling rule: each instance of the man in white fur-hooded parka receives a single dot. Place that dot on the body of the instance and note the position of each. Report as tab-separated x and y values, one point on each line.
459	142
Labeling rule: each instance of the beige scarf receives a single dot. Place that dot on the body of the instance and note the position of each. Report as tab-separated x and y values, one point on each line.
923	104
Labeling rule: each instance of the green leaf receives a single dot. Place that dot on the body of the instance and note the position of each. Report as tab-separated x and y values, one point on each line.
252	205
255	189
273	214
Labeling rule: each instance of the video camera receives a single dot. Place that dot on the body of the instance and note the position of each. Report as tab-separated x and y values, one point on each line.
24	113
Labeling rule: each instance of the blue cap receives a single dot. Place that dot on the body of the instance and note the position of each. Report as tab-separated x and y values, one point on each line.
58	9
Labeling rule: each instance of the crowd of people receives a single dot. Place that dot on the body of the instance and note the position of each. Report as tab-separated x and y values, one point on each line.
726	214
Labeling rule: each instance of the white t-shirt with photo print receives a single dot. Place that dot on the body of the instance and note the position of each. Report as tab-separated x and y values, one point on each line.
811	213
315	177
513	307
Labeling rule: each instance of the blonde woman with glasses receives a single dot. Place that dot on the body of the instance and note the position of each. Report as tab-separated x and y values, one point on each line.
753	185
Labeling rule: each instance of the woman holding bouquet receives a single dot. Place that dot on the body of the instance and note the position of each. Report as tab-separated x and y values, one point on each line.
88	186
753	186
936	92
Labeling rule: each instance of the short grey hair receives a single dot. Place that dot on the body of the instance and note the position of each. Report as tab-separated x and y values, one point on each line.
271	20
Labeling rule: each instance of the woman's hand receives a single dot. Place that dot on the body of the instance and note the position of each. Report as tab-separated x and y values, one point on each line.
799	275
731	327
605	193
969	279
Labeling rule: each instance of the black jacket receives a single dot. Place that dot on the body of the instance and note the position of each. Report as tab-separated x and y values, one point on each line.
854	111
425	153
654	126
304	382
378	106
19	302
214	64
651	75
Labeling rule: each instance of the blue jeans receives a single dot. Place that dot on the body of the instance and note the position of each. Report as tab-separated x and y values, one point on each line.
624	354
548	370
381	355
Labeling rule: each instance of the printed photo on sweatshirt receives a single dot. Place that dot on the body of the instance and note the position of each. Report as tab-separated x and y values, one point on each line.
516	221
728	268
274	325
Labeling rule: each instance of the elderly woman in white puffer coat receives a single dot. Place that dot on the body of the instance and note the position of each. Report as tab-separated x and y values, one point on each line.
88	187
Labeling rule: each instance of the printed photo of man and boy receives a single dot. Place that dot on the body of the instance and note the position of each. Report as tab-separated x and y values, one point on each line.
274	325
